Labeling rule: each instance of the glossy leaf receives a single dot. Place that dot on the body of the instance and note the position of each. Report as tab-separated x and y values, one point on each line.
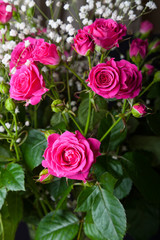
109	215
12	177
123	189
60	226
33	148
3	194
85	199
108	182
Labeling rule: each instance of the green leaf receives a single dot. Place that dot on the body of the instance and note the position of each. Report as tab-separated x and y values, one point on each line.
57	121
3	194
156	77
60	226
85	199
33	148
12	177
143	219
118	134
109	216
12	212
123	189
108	182
153	121
90	228
144	177
5	154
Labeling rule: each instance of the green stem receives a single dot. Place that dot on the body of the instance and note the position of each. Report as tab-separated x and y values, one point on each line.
146	89
124	106
51	11
15	122
79	128
80	230
102	57
89	114
1	227
109	130
68	91
41	12
65	119
43	207
89	63
65	194
77	76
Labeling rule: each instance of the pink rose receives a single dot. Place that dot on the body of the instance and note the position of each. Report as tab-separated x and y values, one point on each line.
46	53
112	79
130	80
149	68
138	46
70	155
83	43
146	27
5	15
139	110
21	54
106	32
27	85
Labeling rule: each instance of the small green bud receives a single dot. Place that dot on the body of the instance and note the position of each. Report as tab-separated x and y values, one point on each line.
4	88
139	110
10	105
57	106
45	177
48	132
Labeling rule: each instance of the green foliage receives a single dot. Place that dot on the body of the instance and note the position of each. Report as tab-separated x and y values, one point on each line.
12	177
3	194
33	148
5	154
58	225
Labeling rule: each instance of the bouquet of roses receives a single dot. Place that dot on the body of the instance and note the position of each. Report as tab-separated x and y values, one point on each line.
79	121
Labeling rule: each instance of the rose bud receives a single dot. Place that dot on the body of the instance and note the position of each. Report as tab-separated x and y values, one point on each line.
139	110
106	32
70	155
6	10
10	105
149	69
155	46
83	43
4	88
57	105
138	50
45	177
146	27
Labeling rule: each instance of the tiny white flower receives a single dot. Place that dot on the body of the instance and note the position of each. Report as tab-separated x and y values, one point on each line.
44	69
74	109
48	3
140	8
18	140
58	39
1	79
66	6
27	123
21	36
58	4
8	125
69	39
71	31
73	103
31	4
3	31
16	110
6	59
85	21
13	33
151	5
9	8
2	129
70	19
69	59
27	43
23	8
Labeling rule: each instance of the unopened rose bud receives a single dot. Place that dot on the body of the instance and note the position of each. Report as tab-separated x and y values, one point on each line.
47	133
10	105
4	88
45	177
146	27
139	110
57	106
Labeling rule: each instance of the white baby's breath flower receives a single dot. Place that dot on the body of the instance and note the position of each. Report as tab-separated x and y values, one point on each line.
85	21
139	8
58	39
8	8
69	40
16	110
27	123
23	8
66	6
1	79
70	19
48	3
58	4
69	59
138	2
151	5
13	70
6	59
21	36
2	129
18	140
8	125
27	43
31	4
74	109
13	33
44	69
3	30
82	15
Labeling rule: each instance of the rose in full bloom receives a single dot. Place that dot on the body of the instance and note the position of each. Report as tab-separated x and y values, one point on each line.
138	46
70	155
139	110
146	27
5	12
27	85
106	32
113	79
22	52
46	53
83	43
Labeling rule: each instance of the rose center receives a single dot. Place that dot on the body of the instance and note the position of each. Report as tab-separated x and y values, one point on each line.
71	156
